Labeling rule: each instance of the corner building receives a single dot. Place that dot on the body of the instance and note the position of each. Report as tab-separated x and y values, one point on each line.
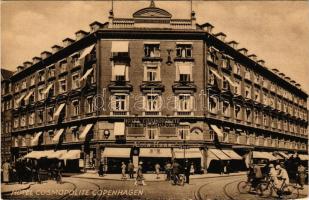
153	88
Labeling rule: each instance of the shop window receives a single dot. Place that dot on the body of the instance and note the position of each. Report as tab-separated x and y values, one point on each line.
183	132
213	104
75	108
62	86
152	73
75	80
152	133
152	50
184	50
226	109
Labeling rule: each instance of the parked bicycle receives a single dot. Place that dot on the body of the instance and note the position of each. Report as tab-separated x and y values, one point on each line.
285	191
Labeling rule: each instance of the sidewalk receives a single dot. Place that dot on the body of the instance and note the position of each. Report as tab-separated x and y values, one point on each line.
148	177
6	189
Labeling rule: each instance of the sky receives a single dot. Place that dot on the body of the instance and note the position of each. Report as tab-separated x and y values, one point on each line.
276	31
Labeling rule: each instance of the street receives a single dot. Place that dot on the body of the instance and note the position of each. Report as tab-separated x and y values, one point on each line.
219	188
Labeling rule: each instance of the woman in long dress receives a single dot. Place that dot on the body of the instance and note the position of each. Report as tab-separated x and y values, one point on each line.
6	172
139	175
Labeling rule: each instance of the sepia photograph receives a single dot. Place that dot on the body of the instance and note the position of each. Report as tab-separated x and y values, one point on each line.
154	100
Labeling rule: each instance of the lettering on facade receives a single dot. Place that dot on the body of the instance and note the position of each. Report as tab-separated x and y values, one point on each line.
157	122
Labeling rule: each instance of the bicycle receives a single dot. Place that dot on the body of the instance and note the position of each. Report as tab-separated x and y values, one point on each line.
247	187
287	191
178	180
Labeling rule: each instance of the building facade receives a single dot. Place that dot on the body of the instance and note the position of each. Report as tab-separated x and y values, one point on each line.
153	88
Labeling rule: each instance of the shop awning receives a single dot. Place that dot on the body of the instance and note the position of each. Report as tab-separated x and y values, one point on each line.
56	154
217	130
48	88
20	98
88	72
263	155
188	153
119	128
58	135
279	157
217	153
29	95
232	154
120	46
230	81
58	111
303	157
71	155
86	51
85	131
35	140
119	70
33	154
283	154
216	74
184	69
155	152
117	152
47	153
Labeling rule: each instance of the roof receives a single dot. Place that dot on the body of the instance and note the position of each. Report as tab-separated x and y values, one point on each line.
6	74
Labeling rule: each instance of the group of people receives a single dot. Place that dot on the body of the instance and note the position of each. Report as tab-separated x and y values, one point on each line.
28	170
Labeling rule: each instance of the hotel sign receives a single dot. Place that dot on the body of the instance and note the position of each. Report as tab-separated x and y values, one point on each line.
158	122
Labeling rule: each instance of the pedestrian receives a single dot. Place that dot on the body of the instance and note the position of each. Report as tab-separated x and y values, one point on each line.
187	171
227	167
101	169
175	171
258	175
168	168
192	170
131	169
19	171
59	172
301	171
157	168
6	172
139	175
123	170
221	167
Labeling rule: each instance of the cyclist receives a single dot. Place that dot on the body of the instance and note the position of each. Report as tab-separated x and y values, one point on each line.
283	175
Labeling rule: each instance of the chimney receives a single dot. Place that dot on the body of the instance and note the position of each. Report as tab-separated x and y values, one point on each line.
276	71
56	48
45	54
67	41
287	78
253	57
282	75
95	26
208	26
233	44
221	36
20	68
27	64
36	59
80	34
243	51
293	82
261	62
297	85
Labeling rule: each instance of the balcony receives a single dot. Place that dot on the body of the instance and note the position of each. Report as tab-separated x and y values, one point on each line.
184	113
152	113
120	113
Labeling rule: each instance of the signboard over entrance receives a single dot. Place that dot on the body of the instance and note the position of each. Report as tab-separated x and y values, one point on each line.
158	122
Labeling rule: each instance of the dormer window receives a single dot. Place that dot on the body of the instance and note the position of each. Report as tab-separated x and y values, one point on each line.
152	50
184	50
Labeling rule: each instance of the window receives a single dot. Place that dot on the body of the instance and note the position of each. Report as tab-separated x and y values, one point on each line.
237	87
40	116
248	114
152	102
212	79
16	87
183	132
50	114
265	120
152	50
51	71
120	73
75	108
31	118
89	105
119	102
41	94
76	60
257	95
16	122
184	50
248	91
256	117
152	133
226	84
265	98
247	74
264	82
237	69
237	111
273	122
63	66
211	56
213	104
184	72
272	86
23	84
75	135
256	78
32	80
271	101
62	86
75	80
23	121
152	72
41	76
184	102
226	108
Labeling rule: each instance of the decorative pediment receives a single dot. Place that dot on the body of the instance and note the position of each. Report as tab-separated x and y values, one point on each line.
152	12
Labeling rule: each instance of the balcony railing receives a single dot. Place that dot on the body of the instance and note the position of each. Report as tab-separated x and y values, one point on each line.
184	113
153	113
121	113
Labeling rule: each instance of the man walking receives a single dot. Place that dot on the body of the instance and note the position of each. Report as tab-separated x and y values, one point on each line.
187	170
131	169
157	168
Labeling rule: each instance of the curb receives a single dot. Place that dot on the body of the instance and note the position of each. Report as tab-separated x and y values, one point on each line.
162	180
